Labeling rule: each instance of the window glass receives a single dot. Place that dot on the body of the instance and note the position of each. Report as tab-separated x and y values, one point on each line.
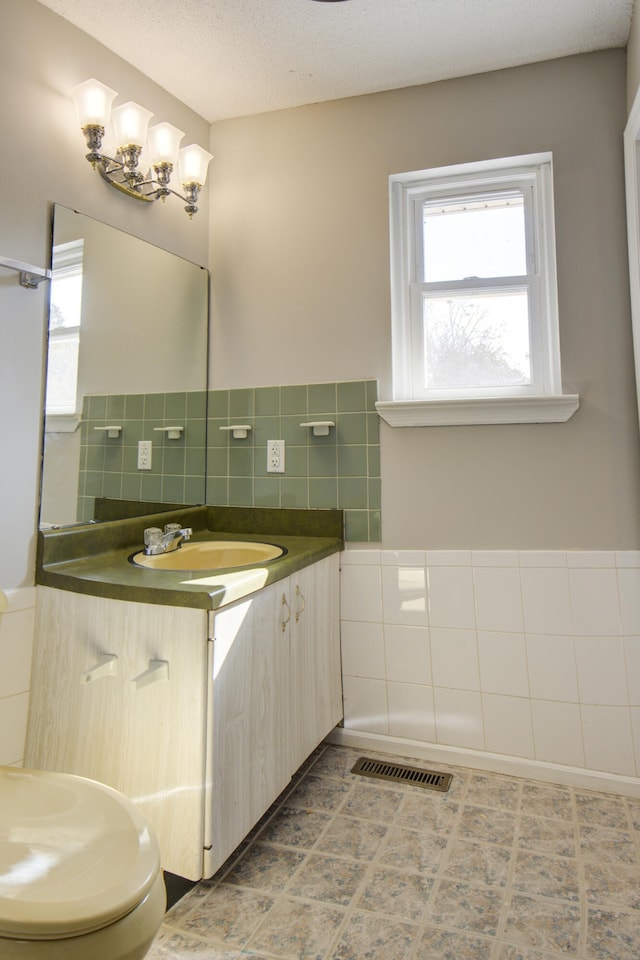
476	341
474	237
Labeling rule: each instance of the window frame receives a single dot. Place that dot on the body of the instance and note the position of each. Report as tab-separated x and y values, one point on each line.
542	399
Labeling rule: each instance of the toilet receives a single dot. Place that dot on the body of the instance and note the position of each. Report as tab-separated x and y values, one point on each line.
80	874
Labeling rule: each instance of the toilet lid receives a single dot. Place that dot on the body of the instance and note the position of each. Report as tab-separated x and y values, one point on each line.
75	855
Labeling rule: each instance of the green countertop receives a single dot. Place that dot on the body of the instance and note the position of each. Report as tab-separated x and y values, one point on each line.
94	559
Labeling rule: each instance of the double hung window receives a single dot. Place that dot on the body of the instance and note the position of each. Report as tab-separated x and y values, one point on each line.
474	303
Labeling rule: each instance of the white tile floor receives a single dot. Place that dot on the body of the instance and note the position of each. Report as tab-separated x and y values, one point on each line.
349	868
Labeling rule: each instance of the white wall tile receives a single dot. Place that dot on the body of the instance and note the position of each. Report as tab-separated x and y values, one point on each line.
498	600
628	558
454	659
361	593
448	558
13	727
543	558
16	645
503	664
507	725
553	674
411	712
557	732
608	744
407	654
362	556
362	649
602	675
459	718
629	592
365	705
591	558
495	558
451	600
632	662
402	558
404	595
546	600
489	629
594	602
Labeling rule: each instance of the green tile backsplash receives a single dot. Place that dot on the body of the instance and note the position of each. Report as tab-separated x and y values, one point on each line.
109	466
341	470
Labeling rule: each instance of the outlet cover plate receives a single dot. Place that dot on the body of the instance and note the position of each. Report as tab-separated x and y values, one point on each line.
275	456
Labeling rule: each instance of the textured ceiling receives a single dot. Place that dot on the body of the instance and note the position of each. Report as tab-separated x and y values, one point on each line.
229	58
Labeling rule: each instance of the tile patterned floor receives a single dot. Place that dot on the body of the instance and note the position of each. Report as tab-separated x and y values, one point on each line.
348	868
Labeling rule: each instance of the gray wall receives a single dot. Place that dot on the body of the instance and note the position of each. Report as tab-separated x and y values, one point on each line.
299	249
41	58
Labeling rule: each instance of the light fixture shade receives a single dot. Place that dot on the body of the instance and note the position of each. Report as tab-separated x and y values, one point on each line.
130	122
193	162
93	103
163	142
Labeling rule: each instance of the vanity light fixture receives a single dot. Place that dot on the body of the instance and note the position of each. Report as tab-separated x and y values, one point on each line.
138	146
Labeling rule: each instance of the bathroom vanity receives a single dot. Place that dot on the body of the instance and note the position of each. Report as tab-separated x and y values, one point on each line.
200	709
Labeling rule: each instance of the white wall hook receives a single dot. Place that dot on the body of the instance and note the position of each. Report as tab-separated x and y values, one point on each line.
320	427
113	430
107	666
173	433
240	430
156	671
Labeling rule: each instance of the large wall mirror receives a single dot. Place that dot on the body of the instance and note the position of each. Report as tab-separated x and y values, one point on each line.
126	362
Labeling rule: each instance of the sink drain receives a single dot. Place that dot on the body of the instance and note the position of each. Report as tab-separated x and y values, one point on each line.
399	773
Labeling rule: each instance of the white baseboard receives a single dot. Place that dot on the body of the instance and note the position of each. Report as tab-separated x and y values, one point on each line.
512	766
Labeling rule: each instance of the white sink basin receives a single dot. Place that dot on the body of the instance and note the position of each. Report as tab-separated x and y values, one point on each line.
211	555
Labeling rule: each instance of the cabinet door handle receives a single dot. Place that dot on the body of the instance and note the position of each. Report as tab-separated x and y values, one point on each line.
156	671
107	666
283	603
301	602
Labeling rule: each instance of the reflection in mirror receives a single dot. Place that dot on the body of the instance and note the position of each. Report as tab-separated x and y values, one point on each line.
126	360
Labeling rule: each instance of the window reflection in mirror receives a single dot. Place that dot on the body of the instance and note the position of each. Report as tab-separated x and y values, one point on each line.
65	316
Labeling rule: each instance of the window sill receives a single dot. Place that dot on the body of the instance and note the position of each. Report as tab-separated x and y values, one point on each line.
62	422
447	413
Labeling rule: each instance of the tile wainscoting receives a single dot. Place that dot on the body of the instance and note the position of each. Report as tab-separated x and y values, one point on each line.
16	644
516	661
338	471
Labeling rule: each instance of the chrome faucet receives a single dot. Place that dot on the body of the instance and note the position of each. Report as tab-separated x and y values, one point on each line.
157	541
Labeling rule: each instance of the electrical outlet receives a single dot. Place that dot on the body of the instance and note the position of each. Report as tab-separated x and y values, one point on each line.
275	456
144	454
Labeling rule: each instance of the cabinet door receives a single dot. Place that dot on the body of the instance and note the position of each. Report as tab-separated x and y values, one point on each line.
146	739
316	675
250	710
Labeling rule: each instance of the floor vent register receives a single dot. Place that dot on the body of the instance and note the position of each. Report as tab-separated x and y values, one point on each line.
400	773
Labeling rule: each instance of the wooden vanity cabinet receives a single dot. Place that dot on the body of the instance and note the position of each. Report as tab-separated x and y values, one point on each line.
87	715
199	717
